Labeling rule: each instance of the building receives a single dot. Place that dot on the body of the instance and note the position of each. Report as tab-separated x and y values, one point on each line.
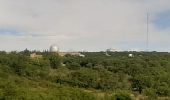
111	50
71	53
34	55
131	55
54	48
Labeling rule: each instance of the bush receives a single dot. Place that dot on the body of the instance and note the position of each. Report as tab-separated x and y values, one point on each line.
55	60
151	93
122	96
163	91
10	91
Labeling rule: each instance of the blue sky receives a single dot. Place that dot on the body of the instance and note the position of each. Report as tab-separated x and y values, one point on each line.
163	20
92	25
9	31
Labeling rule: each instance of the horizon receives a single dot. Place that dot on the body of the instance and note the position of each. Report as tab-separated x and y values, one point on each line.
36	50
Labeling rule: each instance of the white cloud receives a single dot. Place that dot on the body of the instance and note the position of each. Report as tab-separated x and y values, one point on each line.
81	24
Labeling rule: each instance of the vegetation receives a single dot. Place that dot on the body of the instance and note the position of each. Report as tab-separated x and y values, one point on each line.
146	76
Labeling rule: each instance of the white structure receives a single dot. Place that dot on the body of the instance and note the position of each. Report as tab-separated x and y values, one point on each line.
111	50
34	55
81	55
54	48
131	55
107	53
71	53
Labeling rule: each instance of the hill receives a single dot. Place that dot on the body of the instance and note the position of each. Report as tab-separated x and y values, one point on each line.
146	76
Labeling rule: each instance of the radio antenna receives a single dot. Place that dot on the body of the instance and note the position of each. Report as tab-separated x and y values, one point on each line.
147	34
147	40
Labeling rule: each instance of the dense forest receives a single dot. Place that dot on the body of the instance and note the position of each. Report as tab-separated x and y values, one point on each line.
146	76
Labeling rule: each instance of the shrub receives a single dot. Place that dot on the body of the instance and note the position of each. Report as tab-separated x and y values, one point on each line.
121	96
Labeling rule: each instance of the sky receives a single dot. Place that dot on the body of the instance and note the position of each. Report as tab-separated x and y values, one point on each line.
89	25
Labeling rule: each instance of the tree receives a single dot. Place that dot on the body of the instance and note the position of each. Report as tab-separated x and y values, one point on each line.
55	60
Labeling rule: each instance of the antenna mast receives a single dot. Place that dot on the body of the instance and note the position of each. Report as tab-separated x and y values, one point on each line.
147	41
147	31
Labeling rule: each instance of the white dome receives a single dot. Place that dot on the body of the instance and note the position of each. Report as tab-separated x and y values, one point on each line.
54	48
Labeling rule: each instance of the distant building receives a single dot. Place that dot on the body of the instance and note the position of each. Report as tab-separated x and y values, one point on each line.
71	53
54	48
111	50
131	55
34	55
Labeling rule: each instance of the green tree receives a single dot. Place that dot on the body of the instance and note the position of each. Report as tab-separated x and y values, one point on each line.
55	60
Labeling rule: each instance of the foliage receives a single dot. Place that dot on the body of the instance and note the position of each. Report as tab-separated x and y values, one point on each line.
121	96
55	60
71	77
